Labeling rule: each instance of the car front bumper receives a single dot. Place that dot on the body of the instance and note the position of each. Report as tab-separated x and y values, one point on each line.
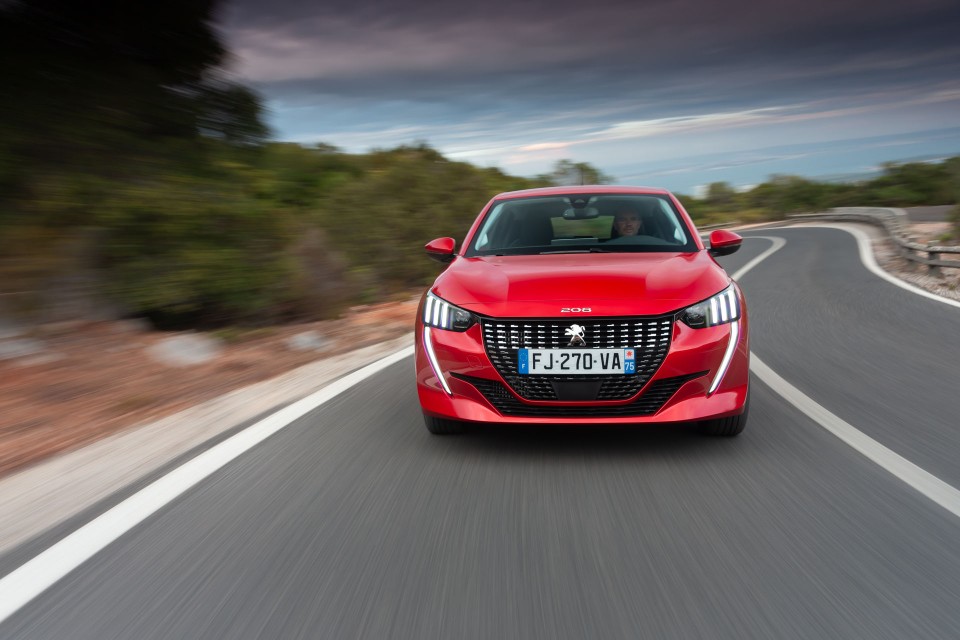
457	380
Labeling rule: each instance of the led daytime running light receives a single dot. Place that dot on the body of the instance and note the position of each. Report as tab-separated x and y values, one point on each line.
727	357
432	359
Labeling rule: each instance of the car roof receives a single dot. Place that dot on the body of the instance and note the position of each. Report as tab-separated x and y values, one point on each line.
589	188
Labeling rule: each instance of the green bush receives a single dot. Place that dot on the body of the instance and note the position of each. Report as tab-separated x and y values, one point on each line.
186	252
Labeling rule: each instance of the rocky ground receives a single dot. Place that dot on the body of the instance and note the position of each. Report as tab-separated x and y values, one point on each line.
946	283
64	386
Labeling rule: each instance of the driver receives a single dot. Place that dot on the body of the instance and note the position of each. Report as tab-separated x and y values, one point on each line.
627	222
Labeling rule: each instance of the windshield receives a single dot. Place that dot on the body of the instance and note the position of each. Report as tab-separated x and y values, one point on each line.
581	224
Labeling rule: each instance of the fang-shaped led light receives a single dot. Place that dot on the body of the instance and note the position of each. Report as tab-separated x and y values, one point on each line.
727	357
432	358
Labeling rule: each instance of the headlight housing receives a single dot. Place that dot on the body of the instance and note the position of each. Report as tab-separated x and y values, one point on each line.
722	308
440	314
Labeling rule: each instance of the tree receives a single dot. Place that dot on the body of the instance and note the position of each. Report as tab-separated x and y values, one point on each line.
407	196
789	194
230	112
913	183
113	113
95	83
569	173
721	196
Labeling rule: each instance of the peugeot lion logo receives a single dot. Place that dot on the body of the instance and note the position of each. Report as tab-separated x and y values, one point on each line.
576	336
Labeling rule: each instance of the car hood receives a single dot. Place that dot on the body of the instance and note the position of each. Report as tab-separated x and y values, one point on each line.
611	284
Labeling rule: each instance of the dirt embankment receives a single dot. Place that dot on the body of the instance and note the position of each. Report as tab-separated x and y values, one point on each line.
64	386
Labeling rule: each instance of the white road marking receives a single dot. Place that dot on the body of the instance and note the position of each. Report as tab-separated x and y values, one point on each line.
38	574
778	244
926	483
867	258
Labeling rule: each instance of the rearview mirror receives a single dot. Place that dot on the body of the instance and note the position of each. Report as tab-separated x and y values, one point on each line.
583	213
723	242
441	249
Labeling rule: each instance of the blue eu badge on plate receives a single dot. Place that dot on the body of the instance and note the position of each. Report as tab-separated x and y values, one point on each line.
523	363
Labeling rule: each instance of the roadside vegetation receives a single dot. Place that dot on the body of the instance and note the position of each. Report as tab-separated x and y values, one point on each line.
138	179
898	185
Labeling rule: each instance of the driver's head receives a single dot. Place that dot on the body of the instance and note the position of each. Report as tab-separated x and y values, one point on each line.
627	222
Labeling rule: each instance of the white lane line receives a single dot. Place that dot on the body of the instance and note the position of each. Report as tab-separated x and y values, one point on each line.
778	244
867	258
926	483
38	574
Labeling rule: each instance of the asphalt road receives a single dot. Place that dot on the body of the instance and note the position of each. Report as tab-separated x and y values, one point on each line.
354	523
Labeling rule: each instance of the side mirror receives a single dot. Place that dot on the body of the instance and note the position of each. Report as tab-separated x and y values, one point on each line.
441	249
723	242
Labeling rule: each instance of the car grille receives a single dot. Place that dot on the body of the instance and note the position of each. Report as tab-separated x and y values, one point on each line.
649	336
652	400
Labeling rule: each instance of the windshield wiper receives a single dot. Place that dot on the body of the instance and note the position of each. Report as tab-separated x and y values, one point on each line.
591	250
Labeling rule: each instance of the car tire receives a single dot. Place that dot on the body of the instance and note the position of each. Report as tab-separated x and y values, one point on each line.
727	427
441	427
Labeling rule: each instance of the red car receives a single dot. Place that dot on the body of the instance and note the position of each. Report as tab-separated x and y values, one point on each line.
579	306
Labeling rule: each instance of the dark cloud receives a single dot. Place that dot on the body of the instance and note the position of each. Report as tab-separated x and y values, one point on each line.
431	50
514	73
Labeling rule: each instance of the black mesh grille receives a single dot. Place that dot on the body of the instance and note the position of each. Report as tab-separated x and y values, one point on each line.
648	404
649	336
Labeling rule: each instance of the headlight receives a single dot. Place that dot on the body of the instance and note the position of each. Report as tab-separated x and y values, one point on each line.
441	314
720	309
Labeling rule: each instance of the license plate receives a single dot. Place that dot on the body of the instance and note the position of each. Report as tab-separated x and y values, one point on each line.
576	361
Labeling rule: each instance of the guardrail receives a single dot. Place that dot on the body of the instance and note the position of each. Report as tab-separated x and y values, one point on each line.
719	225
895	222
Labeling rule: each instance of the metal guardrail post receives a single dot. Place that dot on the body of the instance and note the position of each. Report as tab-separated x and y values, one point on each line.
718	225
911	258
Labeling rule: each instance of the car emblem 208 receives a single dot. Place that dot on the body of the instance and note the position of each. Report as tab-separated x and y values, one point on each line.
576	333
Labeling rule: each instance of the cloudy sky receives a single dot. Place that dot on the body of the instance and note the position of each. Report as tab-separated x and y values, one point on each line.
674	93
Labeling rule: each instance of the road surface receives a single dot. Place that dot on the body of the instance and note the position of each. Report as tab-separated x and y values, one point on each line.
353	522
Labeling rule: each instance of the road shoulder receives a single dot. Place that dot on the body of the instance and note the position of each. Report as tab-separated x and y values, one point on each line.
41	496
